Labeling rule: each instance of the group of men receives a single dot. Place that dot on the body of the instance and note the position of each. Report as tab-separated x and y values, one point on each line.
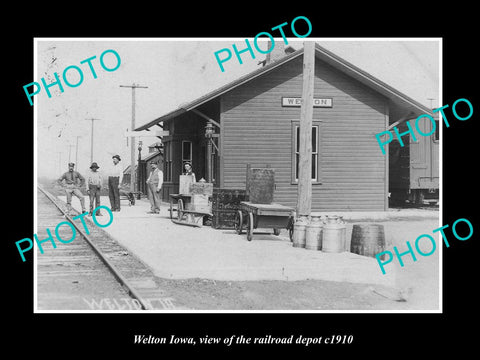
73	181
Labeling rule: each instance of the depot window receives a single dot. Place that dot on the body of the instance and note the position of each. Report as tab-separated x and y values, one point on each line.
436	134
186	151
296	152
168	160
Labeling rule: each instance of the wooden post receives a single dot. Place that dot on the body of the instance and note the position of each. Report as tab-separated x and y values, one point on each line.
209	160
91	140
76	152
304	194
387	161
304	203
132	141
247	180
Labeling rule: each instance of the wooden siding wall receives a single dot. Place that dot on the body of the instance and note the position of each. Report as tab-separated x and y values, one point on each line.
256	129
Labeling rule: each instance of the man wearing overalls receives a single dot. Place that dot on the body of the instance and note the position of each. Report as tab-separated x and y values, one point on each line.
154	183
94	183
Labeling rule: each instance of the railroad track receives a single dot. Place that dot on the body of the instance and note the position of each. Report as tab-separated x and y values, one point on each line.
91	272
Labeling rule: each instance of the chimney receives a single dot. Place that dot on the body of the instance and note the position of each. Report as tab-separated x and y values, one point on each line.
277	53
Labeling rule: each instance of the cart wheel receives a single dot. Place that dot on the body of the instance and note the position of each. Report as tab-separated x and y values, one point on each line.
239	222
276	232
249	226
180	209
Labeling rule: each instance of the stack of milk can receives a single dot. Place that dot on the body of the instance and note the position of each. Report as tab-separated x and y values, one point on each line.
327	234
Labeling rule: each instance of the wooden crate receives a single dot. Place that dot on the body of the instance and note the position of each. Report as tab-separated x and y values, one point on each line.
223	199
225	203
223	219
184	184
201	188
200	203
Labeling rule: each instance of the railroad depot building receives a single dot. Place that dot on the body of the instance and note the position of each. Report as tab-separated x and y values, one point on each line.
256	121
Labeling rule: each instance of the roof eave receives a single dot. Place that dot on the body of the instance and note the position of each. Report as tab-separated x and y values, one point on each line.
165	117
369	80
220	91
321	53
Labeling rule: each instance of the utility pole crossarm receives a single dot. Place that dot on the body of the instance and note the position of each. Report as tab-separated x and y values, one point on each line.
134	86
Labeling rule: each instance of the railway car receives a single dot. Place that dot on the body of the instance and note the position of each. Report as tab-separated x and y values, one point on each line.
414	167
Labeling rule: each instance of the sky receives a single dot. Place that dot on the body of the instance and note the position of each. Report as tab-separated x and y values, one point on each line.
177	71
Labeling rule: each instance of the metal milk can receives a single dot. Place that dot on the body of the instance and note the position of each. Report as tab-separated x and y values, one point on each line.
313	234
334	234
299	231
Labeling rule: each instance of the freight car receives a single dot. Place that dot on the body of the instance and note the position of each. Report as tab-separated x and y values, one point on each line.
414	168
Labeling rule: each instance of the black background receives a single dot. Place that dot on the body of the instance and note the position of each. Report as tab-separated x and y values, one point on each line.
382	335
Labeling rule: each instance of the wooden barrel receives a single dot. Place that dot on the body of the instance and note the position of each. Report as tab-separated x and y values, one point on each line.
368	240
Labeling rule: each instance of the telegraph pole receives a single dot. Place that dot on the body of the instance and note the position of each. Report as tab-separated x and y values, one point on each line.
132	141
76	151
59	161
304	201
305	162
91	140
70	153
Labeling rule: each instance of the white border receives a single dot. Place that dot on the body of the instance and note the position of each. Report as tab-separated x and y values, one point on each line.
332	39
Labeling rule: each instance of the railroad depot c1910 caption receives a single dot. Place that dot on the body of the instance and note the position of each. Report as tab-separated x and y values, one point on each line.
283	155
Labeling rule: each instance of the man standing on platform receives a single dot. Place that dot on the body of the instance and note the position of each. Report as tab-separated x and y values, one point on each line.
73	182
94	184
115	178
154	184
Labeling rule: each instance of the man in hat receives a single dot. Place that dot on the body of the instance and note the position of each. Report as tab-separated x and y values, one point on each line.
72	181
115	178
188	170
94	183
154	184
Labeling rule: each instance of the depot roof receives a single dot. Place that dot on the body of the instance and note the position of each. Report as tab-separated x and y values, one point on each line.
410	105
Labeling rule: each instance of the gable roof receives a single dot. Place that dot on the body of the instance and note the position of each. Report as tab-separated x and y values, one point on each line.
152	155
410	105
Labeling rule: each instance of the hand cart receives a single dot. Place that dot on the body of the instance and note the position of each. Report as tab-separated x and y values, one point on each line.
185	216
128	195
253	216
